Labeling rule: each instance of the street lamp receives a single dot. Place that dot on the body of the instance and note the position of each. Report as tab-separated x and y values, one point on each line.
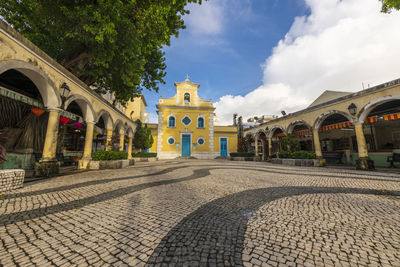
352	109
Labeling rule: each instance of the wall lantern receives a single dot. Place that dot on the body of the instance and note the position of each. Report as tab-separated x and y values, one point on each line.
65	93
352	109
66	90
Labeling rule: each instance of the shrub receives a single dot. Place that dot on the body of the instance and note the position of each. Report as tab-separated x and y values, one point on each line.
241	154
285	155
297	155
109	155
144	155
303	155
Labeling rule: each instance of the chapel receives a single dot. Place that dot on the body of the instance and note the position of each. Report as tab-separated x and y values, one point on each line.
186	127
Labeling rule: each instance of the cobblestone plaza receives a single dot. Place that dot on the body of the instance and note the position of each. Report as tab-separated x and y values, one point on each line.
204	213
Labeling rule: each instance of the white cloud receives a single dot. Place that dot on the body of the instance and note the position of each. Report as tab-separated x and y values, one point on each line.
339	46
205	19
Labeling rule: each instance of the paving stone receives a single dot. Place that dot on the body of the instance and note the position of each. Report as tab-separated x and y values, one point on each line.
204	213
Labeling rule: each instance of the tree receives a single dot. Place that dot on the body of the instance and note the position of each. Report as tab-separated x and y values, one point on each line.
243	144
115	45
389	5
289	143
143	138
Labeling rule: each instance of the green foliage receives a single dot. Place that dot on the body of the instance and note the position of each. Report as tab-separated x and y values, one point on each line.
109	155
241	154
389	5
297	155
284	154
144	155
289	143
116	45
143	138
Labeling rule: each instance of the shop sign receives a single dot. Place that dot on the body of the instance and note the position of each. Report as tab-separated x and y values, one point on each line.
19	97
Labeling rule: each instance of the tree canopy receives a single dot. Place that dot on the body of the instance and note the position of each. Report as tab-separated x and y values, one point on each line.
143	138
115	45
388	5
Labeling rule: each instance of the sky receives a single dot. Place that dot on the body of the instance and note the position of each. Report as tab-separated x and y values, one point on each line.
258	57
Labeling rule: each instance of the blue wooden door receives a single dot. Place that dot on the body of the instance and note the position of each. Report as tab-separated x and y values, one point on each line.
223	147
186	145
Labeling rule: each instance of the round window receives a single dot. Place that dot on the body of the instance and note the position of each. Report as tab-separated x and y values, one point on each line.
171	140
200	141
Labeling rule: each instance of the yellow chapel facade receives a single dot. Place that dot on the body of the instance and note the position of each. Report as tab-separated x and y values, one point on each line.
186	127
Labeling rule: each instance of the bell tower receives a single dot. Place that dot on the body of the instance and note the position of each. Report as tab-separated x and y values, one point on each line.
187	93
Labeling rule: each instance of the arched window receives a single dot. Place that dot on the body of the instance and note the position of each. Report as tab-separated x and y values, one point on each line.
171	121
186	98
200	122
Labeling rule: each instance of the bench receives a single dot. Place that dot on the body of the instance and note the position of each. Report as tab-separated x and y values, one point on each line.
333	155
395	157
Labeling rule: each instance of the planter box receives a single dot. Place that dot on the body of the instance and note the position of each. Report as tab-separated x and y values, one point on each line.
243	158
11	179
109	164
298	162
145	159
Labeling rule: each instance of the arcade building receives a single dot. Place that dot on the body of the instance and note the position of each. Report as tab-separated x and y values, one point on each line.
361	128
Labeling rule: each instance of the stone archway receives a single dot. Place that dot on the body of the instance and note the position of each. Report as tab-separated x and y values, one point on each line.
261	145
302	133
47	88
366	110
118	139
85	106
334	137
321	118
380	122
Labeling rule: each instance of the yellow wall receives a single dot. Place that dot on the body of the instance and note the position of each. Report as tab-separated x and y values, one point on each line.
138	107
180	128
229	132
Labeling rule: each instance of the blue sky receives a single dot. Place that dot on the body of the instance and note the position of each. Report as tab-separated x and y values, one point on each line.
258	57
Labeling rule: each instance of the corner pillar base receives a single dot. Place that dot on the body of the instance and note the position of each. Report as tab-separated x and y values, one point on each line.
47	168
321	162
83	164
366	164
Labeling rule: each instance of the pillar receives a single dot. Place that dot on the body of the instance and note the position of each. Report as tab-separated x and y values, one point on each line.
121	141
48	165
109	139
50	141
263	149
363	162
130	147
269	148
256	147
317	147
87	151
